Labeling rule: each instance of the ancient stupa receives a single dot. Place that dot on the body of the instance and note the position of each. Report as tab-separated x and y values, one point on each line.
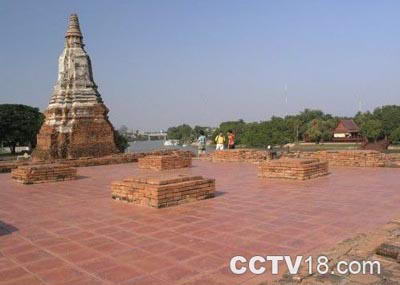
76	123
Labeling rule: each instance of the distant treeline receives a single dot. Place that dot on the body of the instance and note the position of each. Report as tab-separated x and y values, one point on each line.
310	125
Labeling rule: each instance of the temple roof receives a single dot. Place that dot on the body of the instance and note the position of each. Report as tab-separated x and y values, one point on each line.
347	126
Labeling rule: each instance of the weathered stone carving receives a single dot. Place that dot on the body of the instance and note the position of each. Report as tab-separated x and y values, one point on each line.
76	123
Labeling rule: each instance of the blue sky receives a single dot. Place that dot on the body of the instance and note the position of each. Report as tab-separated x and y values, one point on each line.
163	63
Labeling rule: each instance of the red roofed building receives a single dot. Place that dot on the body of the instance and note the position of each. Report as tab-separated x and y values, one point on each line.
347	130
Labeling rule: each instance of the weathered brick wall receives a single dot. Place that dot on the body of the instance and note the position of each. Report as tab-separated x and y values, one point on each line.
93	161
240	155
105	160
30	174
6	167
353	158
163	191
293	168
393	159
164	162
89	135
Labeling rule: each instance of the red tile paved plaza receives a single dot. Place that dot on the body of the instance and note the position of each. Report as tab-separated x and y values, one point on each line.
74	233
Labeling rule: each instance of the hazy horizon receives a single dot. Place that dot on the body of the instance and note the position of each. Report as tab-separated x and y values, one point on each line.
163	63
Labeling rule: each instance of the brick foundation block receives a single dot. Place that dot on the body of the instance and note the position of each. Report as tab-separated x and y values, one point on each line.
164	162
43	173
351	158
163	190
239	155
292	168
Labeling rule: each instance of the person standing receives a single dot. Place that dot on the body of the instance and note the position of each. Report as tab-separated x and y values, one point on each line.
220	140
201	141
231	140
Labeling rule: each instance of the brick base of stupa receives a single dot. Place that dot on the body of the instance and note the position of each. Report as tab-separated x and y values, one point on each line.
91	136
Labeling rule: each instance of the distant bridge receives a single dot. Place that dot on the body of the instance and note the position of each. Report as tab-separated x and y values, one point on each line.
159	135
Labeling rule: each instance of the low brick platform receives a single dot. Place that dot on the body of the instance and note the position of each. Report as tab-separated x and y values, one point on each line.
293	168
121	158
7	166
239	155
43	173
164	162
163	191
352	158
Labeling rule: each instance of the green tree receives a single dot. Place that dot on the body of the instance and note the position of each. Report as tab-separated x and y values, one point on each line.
278	132
255	135
372	129
121	141
312	124
293	124
198	129
395	135
19	124
320	130
361	117
183	133
238	127
273	132
390	117
123	130
314	132
304	119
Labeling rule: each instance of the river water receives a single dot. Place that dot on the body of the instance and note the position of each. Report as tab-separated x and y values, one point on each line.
146	146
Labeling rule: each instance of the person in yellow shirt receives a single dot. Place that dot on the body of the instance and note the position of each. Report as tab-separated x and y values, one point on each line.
220	140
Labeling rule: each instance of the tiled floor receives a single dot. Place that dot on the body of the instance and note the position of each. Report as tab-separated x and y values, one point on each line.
74	233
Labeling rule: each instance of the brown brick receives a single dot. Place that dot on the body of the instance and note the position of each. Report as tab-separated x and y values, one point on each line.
293	168
43	173
163	190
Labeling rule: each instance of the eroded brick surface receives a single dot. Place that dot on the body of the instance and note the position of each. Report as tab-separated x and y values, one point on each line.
293	168
239	155
352	158
43	173
165	162
93	161
163	190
